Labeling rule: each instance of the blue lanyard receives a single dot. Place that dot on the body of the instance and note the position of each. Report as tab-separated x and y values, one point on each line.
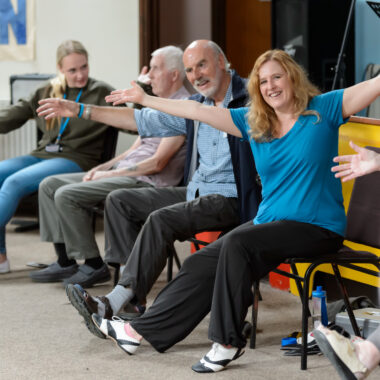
64	121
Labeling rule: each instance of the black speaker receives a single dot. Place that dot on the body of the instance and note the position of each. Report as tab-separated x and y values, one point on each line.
312	31
25	84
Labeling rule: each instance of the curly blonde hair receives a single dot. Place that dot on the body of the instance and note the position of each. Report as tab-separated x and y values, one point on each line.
262	117
58	83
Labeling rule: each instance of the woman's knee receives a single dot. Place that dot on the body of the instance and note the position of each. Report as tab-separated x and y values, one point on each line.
15	186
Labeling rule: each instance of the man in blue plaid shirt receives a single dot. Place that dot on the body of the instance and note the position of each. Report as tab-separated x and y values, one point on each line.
219	192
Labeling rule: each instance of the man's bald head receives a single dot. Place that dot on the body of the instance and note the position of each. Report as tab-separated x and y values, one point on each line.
206	68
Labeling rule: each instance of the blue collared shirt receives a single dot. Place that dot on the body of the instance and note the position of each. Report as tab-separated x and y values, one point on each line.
214	174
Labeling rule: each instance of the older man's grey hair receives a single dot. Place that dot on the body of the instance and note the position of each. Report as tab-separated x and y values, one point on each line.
173	58
218	51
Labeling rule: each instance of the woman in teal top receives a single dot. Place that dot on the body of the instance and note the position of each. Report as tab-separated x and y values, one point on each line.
293	132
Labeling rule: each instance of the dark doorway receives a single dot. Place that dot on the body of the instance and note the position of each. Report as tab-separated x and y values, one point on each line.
241	28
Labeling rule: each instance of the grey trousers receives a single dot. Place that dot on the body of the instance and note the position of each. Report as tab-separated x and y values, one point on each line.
126	212
64	202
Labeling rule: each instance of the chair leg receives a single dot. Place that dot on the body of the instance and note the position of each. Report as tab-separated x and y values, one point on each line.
305	317
170	266
177	260
117	272
305	314
298	284
343	290
255	308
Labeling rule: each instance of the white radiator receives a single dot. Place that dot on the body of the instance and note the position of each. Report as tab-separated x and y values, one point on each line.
19	142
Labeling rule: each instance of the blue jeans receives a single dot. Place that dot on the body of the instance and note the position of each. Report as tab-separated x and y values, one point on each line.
21	176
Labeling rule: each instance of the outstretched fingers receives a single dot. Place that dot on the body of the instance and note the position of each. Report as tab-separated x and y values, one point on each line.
47	111
135	94
54	107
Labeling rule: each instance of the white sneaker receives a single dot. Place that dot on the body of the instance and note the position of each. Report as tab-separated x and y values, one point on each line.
115	330
217	358
4	267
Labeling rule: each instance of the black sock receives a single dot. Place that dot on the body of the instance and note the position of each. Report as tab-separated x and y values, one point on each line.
63	260
95	262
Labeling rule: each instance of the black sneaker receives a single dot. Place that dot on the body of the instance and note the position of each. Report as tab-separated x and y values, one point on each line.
87	276
87	305
53	273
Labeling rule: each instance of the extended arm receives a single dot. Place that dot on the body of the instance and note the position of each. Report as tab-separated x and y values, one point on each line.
217	117
119	117
168	147
14	116
365	162
360	96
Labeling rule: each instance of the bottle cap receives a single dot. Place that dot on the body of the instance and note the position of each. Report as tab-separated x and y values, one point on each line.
319	292
287	341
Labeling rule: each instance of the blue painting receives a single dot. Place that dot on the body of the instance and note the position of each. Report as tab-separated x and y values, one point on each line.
15	18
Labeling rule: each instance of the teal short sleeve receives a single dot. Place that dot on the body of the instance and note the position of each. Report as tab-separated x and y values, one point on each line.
239	117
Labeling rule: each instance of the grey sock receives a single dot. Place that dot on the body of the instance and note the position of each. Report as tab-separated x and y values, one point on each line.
119	297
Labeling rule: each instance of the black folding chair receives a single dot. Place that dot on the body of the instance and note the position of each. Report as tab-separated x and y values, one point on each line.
363	227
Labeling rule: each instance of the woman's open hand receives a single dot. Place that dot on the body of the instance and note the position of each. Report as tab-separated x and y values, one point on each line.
135	94
55	107
365	162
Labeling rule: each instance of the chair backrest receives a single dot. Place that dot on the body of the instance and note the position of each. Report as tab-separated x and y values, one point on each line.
363	215
373	110
110	142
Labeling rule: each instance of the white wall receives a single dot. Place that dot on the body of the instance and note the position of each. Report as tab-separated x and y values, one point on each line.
109	29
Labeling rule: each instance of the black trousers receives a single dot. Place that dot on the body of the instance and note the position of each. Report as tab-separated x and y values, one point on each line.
125	211
219	278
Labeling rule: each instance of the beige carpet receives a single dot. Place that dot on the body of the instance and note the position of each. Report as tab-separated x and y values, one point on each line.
43	336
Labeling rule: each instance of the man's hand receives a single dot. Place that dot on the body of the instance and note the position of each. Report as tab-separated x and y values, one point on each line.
54	107
365	162
135	94
100	174
143	76
90	174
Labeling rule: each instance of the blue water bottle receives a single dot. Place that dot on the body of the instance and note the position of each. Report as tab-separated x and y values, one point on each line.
319	310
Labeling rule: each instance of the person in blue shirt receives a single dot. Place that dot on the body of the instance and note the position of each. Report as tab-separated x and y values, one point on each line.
293	133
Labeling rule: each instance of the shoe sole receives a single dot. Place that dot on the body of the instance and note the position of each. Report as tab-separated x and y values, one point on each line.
79	303
50	280
324	345
201	368
91	282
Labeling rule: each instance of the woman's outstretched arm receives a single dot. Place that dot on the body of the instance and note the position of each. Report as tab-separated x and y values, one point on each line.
360	96
217	117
